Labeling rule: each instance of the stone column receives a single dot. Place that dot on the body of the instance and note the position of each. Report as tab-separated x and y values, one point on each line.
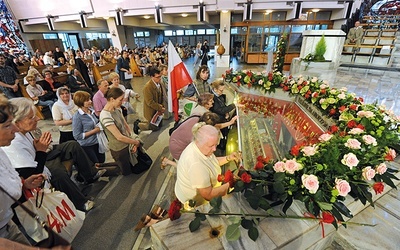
117	32
224	37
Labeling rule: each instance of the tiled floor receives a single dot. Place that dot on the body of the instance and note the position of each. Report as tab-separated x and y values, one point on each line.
372	85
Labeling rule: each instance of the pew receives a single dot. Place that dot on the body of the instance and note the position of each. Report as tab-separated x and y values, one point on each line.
103	71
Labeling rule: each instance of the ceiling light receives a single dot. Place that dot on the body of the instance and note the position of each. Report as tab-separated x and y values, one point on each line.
146	17
315	10
268	11
224	11
184	15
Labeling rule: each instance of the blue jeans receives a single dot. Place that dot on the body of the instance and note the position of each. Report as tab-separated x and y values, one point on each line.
48	103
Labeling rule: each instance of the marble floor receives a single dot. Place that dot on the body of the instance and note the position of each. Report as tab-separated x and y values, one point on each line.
372	85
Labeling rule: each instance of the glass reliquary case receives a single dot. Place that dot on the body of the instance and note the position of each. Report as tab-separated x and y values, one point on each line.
269	125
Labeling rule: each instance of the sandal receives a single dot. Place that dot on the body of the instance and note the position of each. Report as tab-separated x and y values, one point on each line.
158	212
145	221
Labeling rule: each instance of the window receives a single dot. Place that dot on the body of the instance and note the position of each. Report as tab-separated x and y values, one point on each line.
255	29
140	34
298	28
201	32
188	32
50	36
147	33
180	32
167	32
210	31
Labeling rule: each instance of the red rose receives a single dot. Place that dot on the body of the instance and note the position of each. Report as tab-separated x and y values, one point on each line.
285	88
360	126
352	124
295	150
245	177
327	217
259	165
239	77
342	133
227	178
174	211
378	187
389	157
342	108
323	91
249	85
238	84
360	99
223	76
220	178
334	129
299	87
332	111
262	159
353	107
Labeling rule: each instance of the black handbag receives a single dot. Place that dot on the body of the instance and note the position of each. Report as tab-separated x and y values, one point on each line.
144	162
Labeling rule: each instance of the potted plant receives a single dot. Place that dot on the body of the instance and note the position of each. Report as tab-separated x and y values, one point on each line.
320	50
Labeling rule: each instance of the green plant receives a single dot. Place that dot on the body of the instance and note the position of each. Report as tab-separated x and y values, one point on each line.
320	50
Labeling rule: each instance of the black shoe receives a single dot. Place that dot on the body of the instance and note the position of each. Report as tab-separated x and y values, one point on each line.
136	126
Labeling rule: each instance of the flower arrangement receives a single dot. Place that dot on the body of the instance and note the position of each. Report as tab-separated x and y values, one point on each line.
348	159
265	81
280	53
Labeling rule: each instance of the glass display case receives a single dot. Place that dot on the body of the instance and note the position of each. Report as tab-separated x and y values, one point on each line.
269	125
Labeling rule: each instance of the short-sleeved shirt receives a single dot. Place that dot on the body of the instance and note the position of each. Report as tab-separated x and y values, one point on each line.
99	101
195	170
57	114
8	76
116	118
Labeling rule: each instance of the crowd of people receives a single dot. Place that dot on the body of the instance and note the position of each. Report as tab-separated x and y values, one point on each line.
83	112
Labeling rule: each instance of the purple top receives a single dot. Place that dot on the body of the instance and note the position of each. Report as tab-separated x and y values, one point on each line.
182	137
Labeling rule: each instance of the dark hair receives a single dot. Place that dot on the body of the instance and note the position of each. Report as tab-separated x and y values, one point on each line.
210	118
6	108
80	97
153	71
114	93
202	69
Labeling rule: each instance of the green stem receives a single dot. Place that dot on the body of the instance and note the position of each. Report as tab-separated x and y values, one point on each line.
276	216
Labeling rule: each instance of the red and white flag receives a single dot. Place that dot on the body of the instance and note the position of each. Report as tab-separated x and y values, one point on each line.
178	77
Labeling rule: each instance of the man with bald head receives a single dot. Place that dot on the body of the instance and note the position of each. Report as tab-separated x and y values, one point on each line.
198	167
355	34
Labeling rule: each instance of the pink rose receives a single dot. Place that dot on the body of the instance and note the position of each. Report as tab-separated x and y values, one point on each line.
343	187
342	96
367	114
369	140
353	144
310	182
279	166
368	173
350	160
356	131
291	166
309	150
381	168
325	137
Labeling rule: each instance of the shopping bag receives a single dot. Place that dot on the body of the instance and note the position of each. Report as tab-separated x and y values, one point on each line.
56	210
102	139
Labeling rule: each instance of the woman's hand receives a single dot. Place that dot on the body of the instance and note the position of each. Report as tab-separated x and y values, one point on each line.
96	130
34	181
136	146
233	120
42	144
234	156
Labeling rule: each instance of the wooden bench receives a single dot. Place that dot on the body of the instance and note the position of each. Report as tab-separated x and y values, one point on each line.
25	94
100	72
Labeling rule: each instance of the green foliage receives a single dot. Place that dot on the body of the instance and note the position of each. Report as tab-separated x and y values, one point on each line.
320	50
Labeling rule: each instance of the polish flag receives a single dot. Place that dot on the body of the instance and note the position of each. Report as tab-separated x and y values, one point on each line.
178	77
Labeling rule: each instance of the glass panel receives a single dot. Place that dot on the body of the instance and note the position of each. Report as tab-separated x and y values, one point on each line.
167	32
50	36
295	42
323	15
180	33
147	33
287	29
324	27
279	16
201	32
210	31
254	43
256	29
188	32
276	28
298	28
139	34
234	30
271	41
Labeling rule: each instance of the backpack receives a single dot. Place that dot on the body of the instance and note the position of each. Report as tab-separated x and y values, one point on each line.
177	124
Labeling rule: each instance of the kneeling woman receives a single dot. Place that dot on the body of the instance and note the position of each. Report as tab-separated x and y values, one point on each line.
198	167
119	134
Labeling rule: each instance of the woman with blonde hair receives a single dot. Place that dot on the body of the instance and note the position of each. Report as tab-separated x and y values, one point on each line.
128	93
